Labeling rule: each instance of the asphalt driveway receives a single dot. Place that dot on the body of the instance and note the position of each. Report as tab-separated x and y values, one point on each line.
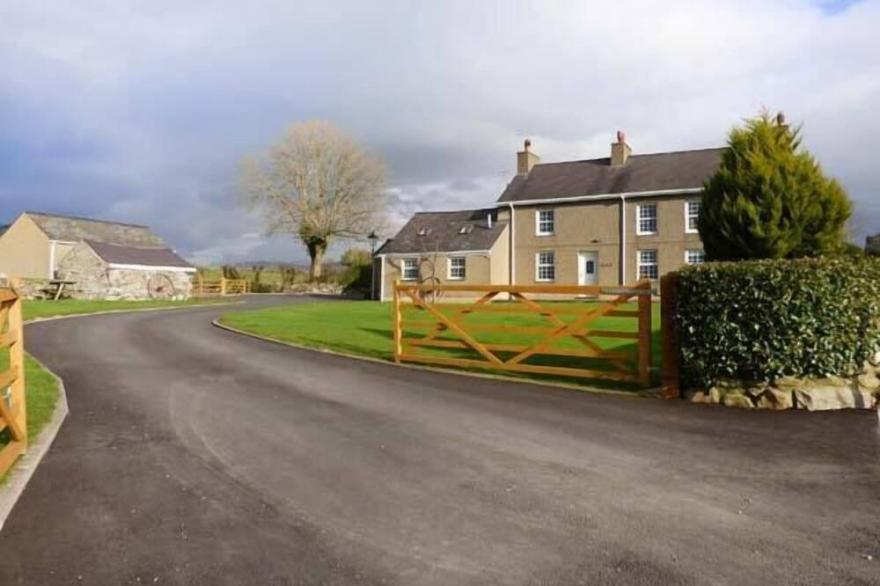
195	456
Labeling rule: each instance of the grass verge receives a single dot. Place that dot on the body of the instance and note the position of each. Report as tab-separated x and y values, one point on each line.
35	309
364	328
41	392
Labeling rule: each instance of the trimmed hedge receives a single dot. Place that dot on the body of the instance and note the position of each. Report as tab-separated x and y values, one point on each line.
761	320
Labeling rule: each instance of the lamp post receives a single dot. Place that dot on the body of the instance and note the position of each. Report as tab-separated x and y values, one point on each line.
373	237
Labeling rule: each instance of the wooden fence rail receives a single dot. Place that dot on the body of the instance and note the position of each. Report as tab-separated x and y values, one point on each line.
13	413
439	330
224	286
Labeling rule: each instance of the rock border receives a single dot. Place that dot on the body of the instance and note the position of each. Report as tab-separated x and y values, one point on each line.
861	391
24	468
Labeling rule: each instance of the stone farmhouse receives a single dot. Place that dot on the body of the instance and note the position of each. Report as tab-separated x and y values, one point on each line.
607	221
101	259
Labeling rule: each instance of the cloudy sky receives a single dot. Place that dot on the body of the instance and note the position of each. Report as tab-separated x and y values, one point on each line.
141	111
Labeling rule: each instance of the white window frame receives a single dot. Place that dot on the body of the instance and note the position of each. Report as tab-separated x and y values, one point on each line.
449	267
639	208
687	253
538	231
687	216
538	266
640	264
403	269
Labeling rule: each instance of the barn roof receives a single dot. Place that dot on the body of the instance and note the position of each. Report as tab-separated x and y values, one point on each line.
74	229
131	255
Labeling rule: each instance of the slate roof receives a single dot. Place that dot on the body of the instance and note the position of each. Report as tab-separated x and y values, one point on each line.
131	255
652	172
462	230
74	229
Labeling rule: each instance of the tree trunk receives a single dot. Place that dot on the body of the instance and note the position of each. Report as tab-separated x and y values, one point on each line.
317	248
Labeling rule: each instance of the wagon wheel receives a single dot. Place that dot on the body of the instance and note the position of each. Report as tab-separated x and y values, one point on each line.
433	293
160	287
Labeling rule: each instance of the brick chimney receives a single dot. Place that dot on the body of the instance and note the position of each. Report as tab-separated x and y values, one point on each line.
526	159
620	151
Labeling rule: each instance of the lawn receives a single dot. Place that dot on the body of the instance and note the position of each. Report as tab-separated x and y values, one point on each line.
34	309
364	328
41	391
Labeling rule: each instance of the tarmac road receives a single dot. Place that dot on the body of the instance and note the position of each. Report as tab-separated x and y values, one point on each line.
197	456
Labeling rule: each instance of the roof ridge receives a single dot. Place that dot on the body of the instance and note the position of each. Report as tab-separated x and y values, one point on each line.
632	156
69	217
91	241
455	211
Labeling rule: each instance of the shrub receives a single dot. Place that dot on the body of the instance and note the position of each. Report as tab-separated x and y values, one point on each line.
770	199
760	320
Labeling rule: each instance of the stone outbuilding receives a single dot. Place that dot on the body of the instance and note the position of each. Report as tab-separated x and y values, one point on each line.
99	270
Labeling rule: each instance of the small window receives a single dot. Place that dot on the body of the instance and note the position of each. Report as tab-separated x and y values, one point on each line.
410	269
423	231
544	222
545	269
456	268
647	218
466	229
694	257
647	265
691	215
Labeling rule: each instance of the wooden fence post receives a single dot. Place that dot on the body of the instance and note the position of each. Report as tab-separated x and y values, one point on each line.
16	364
670	335
222	286
397	322
645	335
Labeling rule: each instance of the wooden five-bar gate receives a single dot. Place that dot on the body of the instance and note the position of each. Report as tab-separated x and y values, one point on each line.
13	418
224	286
578	338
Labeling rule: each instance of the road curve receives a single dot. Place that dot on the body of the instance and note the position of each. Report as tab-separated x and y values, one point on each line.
194	455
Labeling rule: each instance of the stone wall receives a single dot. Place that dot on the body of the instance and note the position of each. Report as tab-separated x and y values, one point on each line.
94	279
813	394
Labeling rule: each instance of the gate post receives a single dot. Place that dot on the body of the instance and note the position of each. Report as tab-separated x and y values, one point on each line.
670	334
645	333
397	322
222	286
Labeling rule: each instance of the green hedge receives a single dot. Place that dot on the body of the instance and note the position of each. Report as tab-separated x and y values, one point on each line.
760	320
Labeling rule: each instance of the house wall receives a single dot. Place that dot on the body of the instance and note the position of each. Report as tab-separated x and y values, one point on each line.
481	268
595	226
24	250
95	279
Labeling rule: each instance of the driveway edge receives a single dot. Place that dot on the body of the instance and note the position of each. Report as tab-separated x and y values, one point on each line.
23	470
37	320
496	377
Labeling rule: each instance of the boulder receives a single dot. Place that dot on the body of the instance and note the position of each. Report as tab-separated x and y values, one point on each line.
773	398
829	393
737	398
868	381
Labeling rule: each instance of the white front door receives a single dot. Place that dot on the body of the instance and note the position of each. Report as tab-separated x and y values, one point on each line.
588	268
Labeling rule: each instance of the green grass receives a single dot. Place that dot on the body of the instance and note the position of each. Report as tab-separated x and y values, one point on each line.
364	328
44	308
41	392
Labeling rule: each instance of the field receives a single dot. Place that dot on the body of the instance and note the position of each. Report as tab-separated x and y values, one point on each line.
364	328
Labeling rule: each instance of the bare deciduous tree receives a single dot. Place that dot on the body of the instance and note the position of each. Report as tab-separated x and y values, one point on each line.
317	184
